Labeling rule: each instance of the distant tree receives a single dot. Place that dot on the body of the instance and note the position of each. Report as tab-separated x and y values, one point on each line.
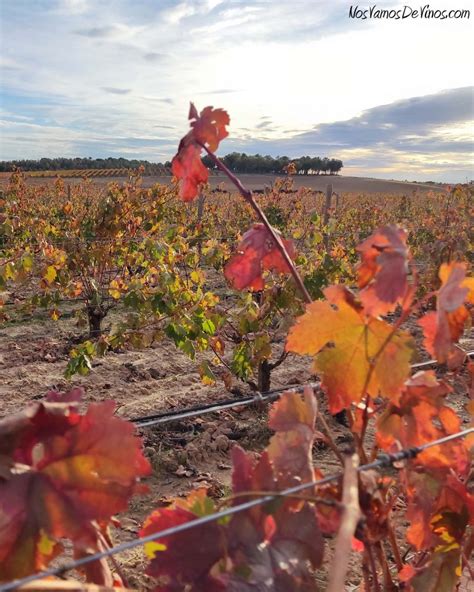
316	165
335	166
325	165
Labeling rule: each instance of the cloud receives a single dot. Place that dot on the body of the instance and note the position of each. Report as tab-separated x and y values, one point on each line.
219	91
115	32
153	56
189	8
116	91
409	124
167	100
7	63
264	124
72	7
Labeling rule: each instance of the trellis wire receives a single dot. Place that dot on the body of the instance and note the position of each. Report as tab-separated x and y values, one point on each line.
147	421
383	461
198	410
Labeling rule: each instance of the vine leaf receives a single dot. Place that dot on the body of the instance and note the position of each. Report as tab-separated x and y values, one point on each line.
356	340
61	473
187	165
421	416
293	419
207	129
272	546
374	497
72	397
447	508
255	253
383	271
439	574
185	558
444	327
439	504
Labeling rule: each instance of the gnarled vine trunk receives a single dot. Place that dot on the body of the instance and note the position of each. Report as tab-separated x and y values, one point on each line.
95	316
264	376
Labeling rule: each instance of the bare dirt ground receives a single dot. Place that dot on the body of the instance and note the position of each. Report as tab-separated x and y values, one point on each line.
340	183
185	455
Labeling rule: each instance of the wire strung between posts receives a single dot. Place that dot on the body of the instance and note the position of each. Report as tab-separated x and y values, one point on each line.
384	460
168	416
147	421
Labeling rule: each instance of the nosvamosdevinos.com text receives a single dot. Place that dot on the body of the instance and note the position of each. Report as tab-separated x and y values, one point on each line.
407	12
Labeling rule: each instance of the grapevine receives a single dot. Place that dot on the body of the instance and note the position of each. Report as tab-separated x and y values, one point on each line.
403	504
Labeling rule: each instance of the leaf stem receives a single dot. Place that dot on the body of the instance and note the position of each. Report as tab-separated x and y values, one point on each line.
332	444
373	568
394	544
387	577
249	198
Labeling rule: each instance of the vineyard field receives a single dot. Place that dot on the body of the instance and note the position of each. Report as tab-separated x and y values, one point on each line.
341	183
128	311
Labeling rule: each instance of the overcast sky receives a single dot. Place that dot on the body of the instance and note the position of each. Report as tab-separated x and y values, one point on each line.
391	98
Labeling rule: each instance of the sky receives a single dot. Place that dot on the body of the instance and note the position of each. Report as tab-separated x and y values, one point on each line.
392	98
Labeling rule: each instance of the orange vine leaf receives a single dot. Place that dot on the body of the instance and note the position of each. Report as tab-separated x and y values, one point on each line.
440	510
439	573
443	328
383	271
356	340
422	416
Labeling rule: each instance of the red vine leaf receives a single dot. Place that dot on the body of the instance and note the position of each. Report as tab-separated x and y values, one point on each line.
184	559
444	327
356	340
256	252
439	525
207	129
383	271
64	472
293	418
271	543
188	167
440	507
